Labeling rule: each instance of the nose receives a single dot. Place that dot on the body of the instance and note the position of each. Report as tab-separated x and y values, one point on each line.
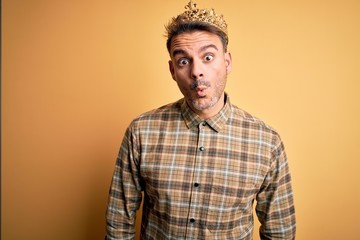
197	71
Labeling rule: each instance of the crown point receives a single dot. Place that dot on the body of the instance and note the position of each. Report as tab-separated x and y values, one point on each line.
193	14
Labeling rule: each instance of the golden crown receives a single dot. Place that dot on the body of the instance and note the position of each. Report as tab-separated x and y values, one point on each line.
193	14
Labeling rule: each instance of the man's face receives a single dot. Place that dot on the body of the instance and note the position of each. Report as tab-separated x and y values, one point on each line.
200	67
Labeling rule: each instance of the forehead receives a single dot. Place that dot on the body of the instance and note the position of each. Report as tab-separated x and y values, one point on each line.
194	41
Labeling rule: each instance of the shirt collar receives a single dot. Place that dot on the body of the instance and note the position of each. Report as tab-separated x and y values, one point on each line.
217	122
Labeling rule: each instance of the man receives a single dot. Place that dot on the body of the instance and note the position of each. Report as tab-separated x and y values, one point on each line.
201	161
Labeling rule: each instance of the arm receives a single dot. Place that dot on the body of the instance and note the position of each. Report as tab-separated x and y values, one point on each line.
125	192
275	207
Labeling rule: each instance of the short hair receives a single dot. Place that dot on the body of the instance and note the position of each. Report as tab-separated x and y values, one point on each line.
188	27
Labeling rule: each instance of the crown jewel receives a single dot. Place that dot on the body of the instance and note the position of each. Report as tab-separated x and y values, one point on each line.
193	14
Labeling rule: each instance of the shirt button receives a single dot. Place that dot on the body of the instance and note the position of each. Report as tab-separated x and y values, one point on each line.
202	148
204	123
196	184
192	220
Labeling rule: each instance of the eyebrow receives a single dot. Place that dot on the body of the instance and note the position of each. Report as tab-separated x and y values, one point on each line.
180	51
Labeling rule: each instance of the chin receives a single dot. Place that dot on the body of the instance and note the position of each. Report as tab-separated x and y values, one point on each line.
209	103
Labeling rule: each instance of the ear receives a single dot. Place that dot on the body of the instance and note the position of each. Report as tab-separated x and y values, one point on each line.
171	68
228	62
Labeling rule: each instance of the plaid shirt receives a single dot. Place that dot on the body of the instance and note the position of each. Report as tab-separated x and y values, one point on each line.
200	178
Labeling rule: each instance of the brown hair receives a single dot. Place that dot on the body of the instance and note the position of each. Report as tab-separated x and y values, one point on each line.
187	27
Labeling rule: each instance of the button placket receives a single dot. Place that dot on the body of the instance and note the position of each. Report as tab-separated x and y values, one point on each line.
196	193
202	126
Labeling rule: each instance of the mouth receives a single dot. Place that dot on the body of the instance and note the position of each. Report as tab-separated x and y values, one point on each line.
200	87
201	91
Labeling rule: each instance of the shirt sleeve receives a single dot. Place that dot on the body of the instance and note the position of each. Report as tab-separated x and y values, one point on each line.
275	206
125	191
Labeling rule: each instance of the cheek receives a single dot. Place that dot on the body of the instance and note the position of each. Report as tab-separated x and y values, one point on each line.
183	85
221	76
220	73
178	79
180	76
184	89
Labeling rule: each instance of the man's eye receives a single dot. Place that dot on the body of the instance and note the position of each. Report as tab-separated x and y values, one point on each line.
183	62
209	58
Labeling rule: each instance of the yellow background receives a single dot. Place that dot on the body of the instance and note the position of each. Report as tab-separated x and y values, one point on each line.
76	72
